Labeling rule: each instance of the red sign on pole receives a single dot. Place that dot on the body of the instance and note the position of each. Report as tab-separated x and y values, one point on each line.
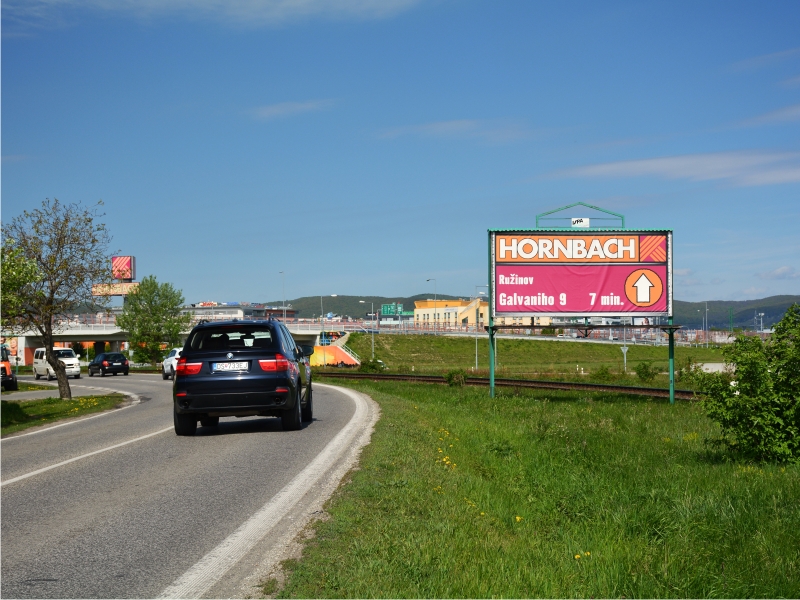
557	273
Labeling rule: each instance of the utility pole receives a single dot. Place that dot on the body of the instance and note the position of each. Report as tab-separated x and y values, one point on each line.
283	285
372	329
433	279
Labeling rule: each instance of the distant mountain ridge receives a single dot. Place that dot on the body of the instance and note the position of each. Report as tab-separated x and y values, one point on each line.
688	314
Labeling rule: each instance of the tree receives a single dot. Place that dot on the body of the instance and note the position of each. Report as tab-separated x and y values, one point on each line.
152	317
69	249
18	273
757	403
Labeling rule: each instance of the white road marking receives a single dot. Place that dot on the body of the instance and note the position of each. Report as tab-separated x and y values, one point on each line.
82	456
213	566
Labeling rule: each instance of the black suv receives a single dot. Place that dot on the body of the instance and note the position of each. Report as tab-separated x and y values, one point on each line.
109	362
241	369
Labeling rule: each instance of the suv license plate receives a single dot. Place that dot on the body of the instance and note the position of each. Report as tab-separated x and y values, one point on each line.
229	366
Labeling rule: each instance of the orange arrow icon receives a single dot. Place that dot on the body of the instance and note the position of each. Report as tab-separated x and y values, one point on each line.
643	287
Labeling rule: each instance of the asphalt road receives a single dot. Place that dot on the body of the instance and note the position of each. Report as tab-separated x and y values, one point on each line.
133	519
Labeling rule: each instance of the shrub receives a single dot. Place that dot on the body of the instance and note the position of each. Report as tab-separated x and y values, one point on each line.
456	378
757	403
646	371
603	374
371	366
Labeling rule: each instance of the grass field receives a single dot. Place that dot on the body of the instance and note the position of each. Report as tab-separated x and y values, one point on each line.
17	416
519	357
28	387
550	494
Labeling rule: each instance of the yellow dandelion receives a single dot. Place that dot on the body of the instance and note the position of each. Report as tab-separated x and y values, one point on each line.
588	553
577	556
483	514
518	518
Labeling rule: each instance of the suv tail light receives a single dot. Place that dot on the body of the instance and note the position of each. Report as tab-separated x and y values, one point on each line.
279	363
187	368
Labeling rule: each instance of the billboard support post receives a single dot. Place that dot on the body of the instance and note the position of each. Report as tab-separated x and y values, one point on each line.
671	363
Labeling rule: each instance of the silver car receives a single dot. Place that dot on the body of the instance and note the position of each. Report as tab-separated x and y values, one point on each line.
168	365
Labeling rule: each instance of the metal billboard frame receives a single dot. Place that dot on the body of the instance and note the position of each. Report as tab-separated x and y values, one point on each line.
669	329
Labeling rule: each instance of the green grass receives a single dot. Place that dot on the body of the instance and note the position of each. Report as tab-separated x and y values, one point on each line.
531	358
28	387
459	495
17	416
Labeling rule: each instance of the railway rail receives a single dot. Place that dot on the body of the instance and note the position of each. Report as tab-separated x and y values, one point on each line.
520	383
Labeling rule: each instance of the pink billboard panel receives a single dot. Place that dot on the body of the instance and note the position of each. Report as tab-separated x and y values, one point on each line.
609	289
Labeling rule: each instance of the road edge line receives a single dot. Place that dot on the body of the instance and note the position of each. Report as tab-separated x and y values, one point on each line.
206	572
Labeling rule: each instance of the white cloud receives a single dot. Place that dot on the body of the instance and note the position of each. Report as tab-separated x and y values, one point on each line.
753	291
792	81
764	60
682	272
784	272
739	168
243	12
786	114
288	109
488	131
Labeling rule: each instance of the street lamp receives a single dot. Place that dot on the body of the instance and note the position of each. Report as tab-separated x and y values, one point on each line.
283	285
322	330
433	279
477	314
372	314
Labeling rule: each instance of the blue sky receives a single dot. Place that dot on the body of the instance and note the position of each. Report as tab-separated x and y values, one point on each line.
365	146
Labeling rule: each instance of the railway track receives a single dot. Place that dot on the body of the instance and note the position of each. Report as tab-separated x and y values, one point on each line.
520	383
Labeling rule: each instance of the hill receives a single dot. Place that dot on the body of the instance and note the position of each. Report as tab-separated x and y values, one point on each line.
688	314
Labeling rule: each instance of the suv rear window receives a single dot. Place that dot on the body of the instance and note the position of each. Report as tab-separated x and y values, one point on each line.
233	337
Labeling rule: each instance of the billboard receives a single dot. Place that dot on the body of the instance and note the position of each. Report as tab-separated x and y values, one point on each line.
114	289
564	273
123	267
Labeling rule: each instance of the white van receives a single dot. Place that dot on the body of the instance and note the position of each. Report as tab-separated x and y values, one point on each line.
65	355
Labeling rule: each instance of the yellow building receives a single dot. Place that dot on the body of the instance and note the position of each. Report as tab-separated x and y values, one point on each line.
450	313
455	313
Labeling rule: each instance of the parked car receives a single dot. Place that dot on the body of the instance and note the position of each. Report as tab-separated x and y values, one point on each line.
169	363
109	362
66	356
241	369
9	381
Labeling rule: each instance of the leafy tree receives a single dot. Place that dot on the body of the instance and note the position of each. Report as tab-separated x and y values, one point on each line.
18	274
757	402
70	250
152	316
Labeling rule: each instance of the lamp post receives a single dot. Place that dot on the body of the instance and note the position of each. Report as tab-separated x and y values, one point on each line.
477	315
708	329
433	279
322	330
372	315
283	285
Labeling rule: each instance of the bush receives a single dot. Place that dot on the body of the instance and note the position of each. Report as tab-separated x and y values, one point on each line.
371	366
456	378
603	374
646	371
757	404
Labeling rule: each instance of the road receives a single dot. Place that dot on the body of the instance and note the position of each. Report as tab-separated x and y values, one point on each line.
118	506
